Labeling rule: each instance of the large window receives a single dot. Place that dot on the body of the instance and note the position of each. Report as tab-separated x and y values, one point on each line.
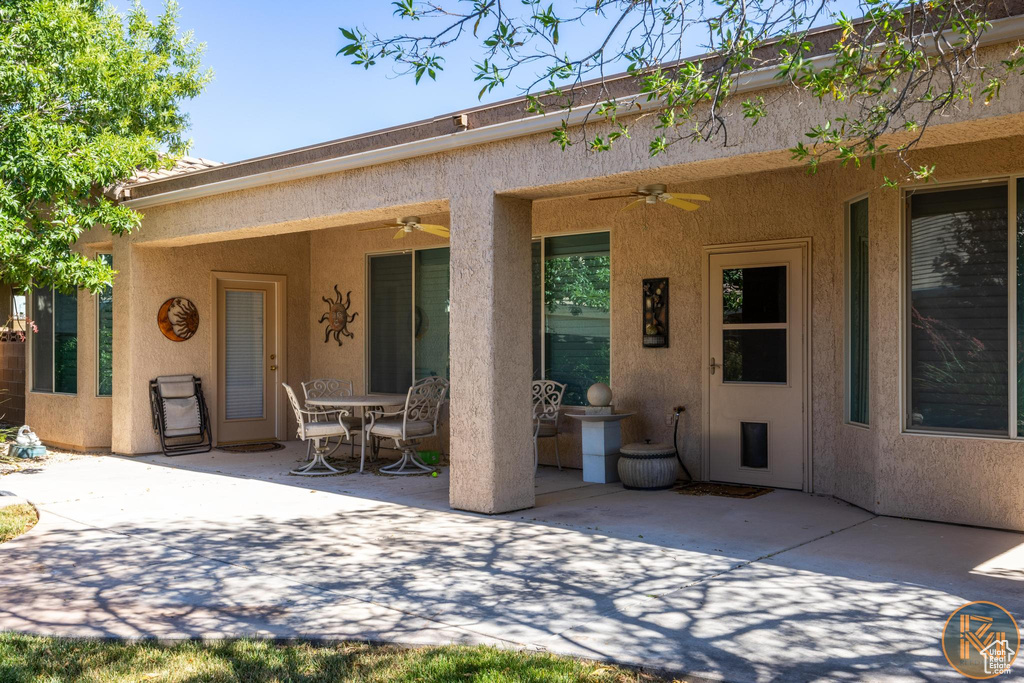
857	357
409	308
105	336
571	312
409	312
54	342
959	374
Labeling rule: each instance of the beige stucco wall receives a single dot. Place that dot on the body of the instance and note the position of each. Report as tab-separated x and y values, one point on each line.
968	480
82	421
156	274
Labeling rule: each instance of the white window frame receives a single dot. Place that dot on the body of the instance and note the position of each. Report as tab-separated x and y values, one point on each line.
543	309
30	302
905	255
100	253
847	320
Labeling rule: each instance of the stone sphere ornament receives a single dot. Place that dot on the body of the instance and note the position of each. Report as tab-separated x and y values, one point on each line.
599	395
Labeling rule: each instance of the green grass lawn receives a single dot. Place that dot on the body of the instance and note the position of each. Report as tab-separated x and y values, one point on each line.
14	521
31	658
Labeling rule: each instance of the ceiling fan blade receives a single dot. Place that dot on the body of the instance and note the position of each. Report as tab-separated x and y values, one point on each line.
400	234
438	230
382	227
682	204
697	197
638	202
616	196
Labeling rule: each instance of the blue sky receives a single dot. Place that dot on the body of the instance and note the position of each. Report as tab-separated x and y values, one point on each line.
278	84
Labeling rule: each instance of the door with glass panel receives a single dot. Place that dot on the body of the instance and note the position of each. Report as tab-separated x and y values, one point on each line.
248	360
756	367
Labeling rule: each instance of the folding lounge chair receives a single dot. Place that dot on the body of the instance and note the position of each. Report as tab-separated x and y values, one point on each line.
180	416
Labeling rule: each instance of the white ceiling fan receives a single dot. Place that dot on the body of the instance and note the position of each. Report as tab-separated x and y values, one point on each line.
408	224
652	194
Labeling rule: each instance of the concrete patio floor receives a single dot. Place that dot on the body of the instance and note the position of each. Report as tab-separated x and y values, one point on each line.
786	586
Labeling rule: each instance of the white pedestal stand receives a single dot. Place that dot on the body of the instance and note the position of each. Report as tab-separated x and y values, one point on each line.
602	438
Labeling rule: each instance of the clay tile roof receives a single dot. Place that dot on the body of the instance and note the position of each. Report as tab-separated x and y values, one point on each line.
181	167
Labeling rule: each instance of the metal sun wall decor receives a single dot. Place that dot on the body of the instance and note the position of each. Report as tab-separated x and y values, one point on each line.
337	316
178	319
656	312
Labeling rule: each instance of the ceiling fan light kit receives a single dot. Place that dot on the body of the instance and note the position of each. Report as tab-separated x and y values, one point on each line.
410	223
652	194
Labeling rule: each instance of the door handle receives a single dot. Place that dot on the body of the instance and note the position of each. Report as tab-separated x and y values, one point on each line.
273	367
714	365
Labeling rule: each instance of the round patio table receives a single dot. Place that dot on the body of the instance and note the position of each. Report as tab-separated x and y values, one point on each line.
362	402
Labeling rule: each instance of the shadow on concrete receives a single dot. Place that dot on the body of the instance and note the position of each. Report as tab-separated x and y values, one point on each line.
782	587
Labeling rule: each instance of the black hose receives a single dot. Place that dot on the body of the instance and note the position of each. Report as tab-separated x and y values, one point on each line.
675	441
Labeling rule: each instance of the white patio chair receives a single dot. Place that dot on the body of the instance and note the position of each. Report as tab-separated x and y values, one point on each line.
547	403
331	388
416	421
318	433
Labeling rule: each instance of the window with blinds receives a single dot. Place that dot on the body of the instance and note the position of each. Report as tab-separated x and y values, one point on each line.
243	354
959	322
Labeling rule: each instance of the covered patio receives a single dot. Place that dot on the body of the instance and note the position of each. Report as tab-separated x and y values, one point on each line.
819	391
785	586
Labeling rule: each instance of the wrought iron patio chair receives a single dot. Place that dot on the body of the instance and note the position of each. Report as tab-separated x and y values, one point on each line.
547	404
318	433
180	416
332	388
416	421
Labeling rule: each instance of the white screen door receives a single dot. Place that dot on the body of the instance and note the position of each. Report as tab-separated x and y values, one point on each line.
247	361
756	347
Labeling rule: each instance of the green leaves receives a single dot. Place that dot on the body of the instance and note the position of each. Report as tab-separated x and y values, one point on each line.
887	68
87	96
357	49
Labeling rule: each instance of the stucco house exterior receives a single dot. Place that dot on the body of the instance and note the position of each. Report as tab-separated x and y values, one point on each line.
826	334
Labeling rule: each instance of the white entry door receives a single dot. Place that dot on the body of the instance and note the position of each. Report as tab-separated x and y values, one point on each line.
756	347
249	359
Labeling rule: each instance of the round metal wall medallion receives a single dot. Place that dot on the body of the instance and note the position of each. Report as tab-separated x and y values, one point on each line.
178	319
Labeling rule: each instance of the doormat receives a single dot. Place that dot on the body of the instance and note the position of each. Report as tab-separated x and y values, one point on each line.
261	447
700	488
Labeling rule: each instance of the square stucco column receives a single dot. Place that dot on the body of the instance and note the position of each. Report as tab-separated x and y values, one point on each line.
130	401
491	354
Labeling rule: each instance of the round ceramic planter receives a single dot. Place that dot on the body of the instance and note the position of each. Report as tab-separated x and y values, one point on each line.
648	467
